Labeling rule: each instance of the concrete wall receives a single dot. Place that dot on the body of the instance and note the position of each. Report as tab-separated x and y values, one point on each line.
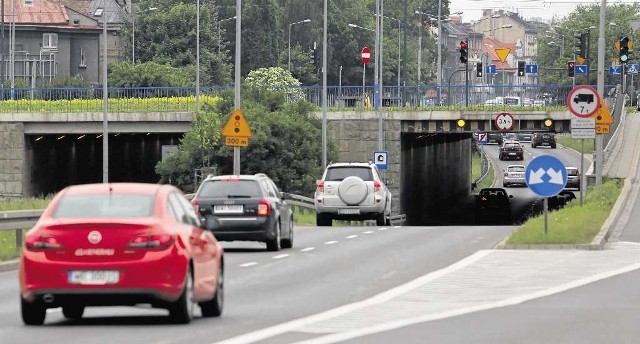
11	159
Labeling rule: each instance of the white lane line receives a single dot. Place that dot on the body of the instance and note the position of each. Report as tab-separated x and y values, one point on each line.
352	236
246	265
382	229
368	232
280	256
397	226
54	310
330	242
307	249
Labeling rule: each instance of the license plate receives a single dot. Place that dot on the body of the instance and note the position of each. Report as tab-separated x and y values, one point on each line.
99	277
512	153
228	209
349	211
517	176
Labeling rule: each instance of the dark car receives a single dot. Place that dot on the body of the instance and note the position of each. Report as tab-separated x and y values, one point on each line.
573	178
495	138
511	150
493	204
543	139
245	208
525	137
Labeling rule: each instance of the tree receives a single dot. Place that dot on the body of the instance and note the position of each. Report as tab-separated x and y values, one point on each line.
262	34
277	79
125	74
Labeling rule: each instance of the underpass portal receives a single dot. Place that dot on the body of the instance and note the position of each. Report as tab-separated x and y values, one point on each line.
53	162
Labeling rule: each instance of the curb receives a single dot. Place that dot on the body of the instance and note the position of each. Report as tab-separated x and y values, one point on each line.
8	265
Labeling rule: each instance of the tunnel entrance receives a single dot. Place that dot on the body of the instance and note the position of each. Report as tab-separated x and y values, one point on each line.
53	162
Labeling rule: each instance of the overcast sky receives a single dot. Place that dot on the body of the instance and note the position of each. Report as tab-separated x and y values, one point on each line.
527	9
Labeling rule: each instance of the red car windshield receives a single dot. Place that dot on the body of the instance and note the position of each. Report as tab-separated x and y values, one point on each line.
86	206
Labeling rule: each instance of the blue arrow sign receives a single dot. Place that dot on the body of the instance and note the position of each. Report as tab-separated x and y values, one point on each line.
546	175
381	159
491	69
615	70
582	70
633	68
531	68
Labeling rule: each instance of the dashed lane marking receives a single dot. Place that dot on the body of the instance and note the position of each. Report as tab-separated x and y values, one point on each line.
307	249
352	236
368	232
281	256
330	242
246	265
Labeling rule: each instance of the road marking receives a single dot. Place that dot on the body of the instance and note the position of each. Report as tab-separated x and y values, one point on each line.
307	249
352	236
368	232
54	310
382	229
330	242
397	226
246	265
280	256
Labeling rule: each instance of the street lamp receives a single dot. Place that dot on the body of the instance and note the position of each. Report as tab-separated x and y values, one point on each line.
197	54
219	22
133	30
290	25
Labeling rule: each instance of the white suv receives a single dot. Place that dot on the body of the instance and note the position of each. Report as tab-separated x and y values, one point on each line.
352	191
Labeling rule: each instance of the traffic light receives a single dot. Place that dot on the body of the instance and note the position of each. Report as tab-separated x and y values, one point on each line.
624	49
521	68
582	44
571	68
479	69
464	52
548	122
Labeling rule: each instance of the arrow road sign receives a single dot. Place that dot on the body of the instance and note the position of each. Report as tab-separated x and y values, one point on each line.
615	70
380	158
491	69
531	68
582	70
546	175
633	68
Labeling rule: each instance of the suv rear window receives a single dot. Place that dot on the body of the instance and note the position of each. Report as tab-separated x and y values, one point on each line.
337	174
104	206
237	188
572	172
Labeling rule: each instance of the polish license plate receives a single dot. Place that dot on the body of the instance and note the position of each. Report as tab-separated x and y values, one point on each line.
517	176
512	153
228	209
349	211
98	277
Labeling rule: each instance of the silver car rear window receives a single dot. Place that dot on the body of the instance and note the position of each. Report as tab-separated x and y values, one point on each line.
337	174
104	206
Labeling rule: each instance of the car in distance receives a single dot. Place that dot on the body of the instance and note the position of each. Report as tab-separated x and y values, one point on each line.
511	136
352	191
493	204
120	244
496	138
245	208
511	150
543	139
573	178
514	175
525	137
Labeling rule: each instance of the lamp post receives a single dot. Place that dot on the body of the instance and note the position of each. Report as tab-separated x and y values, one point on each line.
399	57
290	25
133	30
219	39
197	54
560	36
105	102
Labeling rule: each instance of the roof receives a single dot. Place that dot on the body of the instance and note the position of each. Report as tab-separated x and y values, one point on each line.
117	188
116	11
39	12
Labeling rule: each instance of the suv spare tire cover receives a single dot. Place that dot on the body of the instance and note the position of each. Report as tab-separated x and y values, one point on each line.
352	190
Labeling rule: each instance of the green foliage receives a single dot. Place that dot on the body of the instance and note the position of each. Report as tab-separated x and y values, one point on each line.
69	81
276	79
576	144
262	35
125	74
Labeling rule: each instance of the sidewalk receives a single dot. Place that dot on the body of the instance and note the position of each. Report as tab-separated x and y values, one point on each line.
620	164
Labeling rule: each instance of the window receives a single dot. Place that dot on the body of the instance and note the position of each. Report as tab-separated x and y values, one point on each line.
105	206
98	12
49	41
76	22
235	188
340	173
82	58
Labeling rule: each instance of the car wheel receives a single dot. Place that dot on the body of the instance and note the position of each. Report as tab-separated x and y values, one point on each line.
288	242
381	219
73	312
533	146
213	307
323	220
274	244
33	313
181	311
553	146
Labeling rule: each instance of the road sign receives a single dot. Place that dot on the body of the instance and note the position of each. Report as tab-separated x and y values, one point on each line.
580	60
504	121
583	101
615	70
583	123
546	175
531	68
602	128
502	53
237	125
381	159
603	116
236	141
582	69
491	69
483	138
365	56
633	68
583	133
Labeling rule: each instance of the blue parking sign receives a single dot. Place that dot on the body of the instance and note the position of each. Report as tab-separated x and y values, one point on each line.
381	160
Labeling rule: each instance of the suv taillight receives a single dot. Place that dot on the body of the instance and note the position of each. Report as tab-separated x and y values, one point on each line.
321	186
42	243
264	208
196	206
376	185
577	173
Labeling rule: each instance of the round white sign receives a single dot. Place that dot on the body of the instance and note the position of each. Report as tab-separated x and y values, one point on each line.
504	121
583	101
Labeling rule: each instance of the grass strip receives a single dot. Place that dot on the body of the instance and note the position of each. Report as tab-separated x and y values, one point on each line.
576	144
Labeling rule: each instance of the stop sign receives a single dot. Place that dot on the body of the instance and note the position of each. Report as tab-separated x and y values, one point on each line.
366	55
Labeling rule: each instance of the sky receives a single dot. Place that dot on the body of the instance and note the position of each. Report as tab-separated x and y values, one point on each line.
528	9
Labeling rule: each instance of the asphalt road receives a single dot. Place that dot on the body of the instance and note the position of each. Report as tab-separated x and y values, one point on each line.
327	268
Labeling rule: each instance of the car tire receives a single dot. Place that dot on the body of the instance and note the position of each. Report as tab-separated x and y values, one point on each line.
533	146
73	312
288	242
553	146
33	313
181	311
213	307
274	245
323	220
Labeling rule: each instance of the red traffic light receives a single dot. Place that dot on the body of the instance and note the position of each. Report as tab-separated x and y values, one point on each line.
463	44
571	64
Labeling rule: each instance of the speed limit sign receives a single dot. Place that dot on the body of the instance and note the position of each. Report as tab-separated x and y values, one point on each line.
504	121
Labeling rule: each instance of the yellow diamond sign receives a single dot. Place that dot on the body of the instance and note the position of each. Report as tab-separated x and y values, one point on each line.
502	53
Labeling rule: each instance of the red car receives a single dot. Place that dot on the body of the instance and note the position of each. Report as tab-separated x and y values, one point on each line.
120	244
